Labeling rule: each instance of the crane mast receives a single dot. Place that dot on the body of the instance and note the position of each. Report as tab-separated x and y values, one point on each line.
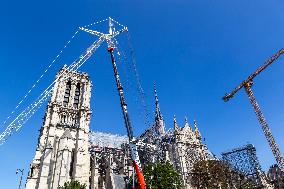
109	37
121	95
133	147
264	126
247	84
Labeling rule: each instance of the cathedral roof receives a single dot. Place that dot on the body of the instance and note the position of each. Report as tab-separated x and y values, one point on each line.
107	140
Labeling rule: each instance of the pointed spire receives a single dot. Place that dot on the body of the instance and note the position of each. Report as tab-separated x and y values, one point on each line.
186	125
186	122
185	119
195	125
176	127
196	131
158	111
159	121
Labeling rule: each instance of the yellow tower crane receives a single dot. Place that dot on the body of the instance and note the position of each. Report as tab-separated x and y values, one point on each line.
247	84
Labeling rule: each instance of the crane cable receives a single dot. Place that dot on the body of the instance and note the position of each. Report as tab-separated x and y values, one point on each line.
126	70
135	82
47	69
39	79
138	81
23	117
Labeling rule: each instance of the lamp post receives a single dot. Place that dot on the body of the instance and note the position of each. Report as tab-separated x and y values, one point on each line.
22	172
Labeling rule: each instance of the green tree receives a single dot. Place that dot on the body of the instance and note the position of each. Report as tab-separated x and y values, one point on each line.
162	175
73	185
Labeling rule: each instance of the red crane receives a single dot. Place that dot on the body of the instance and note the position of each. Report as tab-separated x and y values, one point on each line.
109	38
247	84
133	147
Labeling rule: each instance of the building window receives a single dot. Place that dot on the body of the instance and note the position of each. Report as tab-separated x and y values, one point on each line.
67	93
77	121
77	96
32	171
72	163
64	119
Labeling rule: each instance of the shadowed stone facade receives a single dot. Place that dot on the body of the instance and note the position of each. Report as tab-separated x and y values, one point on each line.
62	152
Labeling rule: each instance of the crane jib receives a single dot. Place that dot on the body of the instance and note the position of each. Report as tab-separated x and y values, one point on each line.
250	78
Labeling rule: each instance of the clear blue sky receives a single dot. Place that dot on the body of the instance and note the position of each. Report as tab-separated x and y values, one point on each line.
195	51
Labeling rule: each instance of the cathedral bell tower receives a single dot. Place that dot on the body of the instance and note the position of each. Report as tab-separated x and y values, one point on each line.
62	152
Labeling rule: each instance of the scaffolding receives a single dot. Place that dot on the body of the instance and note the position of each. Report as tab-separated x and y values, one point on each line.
244	161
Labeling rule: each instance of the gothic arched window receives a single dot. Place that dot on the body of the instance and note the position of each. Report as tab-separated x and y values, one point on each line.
67	93
32	171
77	96
64	119
72	164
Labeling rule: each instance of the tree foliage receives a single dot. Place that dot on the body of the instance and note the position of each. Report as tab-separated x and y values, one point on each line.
73	185
213	174
162	175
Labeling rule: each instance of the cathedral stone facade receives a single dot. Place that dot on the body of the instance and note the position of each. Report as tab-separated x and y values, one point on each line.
182	146
62	153
67	150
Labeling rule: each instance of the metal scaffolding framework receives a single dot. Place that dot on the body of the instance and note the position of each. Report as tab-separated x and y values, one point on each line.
244	161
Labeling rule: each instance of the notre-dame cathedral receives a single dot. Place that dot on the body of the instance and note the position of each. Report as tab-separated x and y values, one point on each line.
67	149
